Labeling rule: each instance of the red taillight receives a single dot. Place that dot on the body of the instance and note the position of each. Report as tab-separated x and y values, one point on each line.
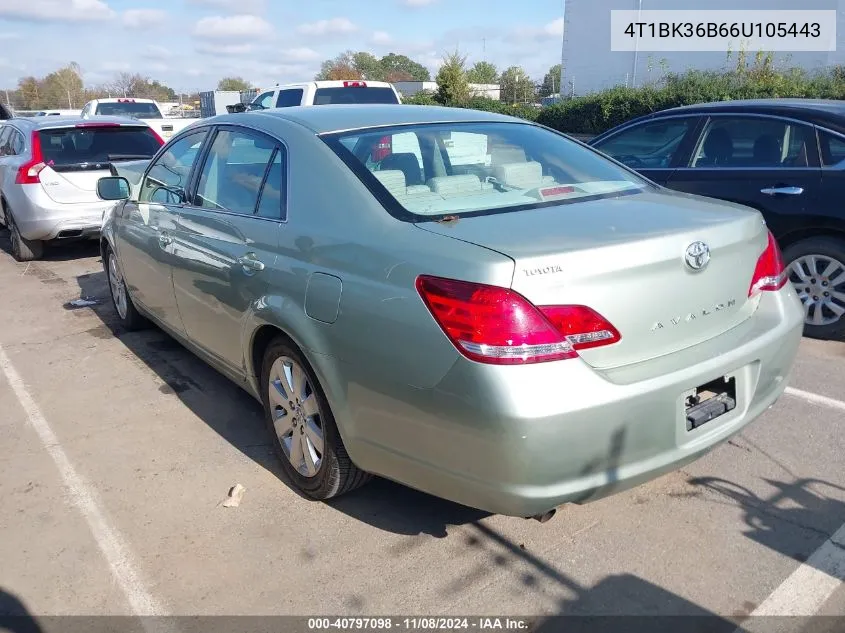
770	273
383	149
126	100
28	173
354	84
498	326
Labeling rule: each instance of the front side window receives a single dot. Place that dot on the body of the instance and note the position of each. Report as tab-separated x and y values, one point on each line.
440	169
753	142
235	171
264	100
650	145
167	178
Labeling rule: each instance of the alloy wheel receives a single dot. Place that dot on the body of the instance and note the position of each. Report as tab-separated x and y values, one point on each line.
118	287
296	416
819	281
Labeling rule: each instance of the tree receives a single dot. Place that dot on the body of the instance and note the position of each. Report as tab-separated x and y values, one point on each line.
403	68
233	83
483	73
64	87
551	82
341	67
30	93
452	84
368	66
516	86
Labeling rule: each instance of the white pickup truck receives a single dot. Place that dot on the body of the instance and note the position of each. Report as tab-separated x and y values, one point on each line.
315	93
146	110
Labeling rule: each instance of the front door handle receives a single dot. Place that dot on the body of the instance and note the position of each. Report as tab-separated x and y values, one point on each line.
251	263
164	240
787	191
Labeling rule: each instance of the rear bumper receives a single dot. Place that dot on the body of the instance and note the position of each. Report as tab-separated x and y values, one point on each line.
38	217
522	440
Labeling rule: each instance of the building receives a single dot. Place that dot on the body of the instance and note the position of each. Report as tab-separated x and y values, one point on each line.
589	64
410	88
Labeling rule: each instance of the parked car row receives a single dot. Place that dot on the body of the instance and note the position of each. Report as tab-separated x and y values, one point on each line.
49	168
470	304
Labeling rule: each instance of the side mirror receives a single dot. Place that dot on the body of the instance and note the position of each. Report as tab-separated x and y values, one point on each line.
237	107
113	188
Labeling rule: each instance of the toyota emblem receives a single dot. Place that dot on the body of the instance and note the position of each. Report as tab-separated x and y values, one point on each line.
697	255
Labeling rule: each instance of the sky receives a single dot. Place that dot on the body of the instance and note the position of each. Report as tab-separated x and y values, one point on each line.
190	44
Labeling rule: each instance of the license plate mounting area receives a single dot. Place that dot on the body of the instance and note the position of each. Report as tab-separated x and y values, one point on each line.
709	401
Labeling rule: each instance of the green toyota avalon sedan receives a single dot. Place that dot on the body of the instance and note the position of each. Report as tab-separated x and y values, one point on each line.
469	304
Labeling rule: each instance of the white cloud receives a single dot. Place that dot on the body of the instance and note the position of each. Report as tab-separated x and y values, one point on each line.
418	3
6	37
554	28
225	49
381	38
116	66
56	10
301	54
236	6
328	27
153	51
144	18
232	27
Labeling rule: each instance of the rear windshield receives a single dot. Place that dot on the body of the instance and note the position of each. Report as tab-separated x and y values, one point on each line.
130	109
356	94
73	146
424	171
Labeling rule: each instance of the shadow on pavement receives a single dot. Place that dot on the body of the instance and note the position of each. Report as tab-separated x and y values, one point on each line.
57	252
14	616
794	520
239	419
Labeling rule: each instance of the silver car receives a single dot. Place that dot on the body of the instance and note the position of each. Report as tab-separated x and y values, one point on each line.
469	304
49	168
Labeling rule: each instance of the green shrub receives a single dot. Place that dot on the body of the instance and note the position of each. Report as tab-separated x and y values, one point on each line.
594	113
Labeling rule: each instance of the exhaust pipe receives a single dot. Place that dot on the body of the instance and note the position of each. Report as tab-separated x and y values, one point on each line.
545	516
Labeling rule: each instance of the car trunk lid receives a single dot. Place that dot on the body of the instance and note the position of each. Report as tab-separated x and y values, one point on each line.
626	259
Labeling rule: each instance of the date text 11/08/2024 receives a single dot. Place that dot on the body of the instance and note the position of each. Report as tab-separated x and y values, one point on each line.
417	624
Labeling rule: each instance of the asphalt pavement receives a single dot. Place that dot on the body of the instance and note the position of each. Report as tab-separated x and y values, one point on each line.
117	449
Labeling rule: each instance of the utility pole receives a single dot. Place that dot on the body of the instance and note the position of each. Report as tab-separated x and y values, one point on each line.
563	48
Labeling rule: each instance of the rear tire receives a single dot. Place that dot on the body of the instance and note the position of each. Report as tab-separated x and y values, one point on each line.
127	313
302	426
23	250
816	267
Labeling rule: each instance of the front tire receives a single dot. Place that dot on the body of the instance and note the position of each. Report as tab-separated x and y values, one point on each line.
302	426
23	250
129	317
816	269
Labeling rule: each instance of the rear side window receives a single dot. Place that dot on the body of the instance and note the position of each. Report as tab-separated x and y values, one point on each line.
832	147
354	94
90	144
753	142
130	109
289	98
648	145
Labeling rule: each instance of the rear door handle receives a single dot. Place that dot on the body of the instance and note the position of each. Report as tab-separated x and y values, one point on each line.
251	263
787	191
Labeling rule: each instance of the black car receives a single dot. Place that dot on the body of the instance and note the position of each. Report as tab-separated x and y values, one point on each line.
784	157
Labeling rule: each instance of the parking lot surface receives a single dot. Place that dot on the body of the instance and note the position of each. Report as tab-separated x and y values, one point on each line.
117	449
